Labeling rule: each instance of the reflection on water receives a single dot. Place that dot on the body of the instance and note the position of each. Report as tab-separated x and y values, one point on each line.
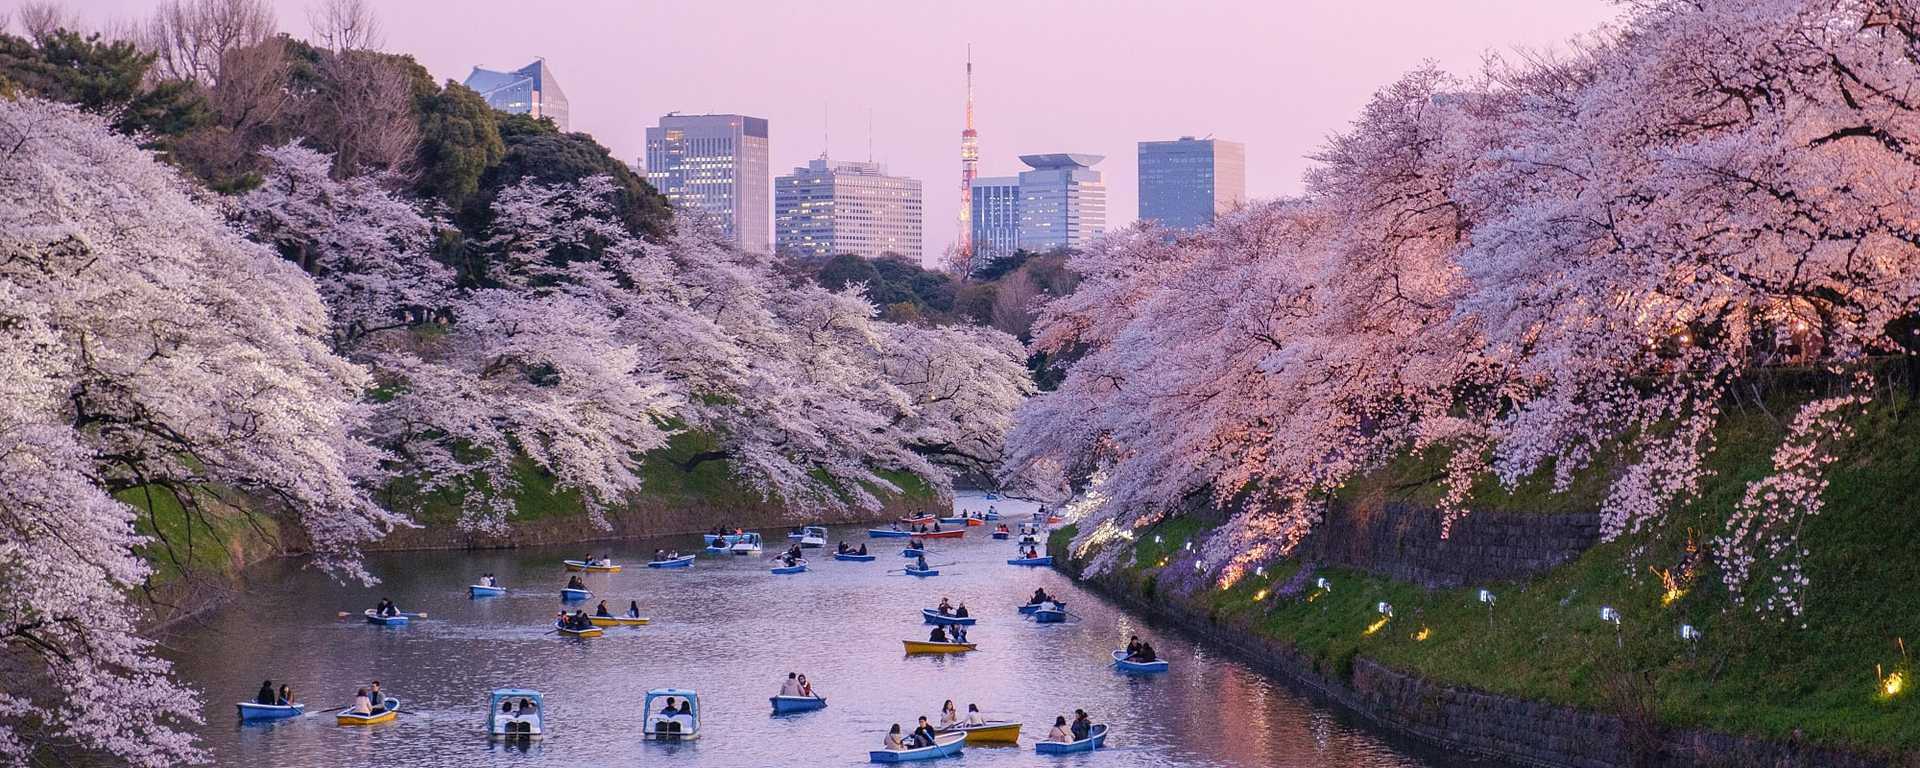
731	631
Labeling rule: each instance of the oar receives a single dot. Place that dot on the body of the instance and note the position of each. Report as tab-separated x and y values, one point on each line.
420	615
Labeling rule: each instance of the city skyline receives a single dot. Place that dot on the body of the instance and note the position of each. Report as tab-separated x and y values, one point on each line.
1257	73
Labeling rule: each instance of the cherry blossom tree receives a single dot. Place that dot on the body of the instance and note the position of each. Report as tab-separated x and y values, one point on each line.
145	347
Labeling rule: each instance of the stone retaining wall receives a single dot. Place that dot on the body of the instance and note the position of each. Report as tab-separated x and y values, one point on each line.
1402	541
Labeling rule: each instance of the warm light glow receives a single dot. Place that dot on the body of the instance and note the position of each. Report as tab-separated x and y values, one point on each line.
1422	635
1672	594
1260	595
1893	684
1375	626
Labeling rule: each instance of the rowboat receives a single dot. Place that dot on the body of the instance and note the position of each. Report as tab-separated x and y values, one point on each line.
1041	560
975	521
944	745
396	620
932	616
582	565
390	709
887	533
923	572
254	712
953	520
953	534
1001	535
588	632
571	594
1120	662
922	646
718	548
683	561
853	557
911	552
799	567
618	621
918	519
990	732
1055	520
786	704
1031	607
1096	738
748	544
1044	616
482	590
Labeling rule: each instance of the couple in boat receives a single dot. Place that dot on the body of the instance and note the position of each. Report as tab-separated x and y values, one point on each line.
950	717
797	686
846	550
923	736
1138	651
948	634
1081	728
946	609
267	696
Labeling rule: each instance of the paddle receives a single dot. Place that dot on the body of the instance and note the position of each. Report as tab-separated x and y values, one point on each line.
420	615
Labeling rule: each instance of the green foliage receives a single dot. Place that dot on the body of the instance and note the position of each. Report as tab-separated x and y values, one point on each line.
103	77
459	140
1752	673
210	540
901	288
536	150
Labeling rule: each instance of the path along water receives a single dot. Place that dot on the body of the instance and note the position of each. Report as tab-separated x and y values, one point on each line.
730	630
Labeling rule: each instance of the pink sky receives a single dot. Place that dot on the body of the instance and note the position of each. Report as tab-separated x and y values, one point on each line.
1049	76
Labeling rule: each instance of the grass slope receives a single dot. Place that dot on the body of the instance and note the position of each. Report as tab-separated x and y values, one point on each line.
1750	674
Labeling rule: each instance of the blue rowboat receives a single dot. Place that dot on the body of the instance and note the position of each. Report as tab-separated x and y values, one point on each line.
722	540
1031	607
933	616
1096	738
992	515
683	561
1120	662
787	704
887	533
787	569
570	594
853	558
719	549
1044	616
944	745
911	552
923	573
396	620
481	590
1041	560
991	497
953	521
1002	535
251	712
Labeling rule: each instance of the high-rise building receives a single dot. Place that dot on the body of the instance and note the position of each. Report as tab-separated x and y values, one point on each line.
831	207
1063	202
1187	182
715	166
996	218
969	168
529	90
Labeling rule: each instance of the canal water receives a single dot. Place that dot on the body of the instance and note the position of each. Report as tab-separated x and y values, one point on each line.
731	631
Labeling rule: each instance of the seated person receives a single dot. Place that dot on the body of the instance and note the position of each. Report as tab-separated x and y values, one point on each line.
938	635
893	740
574	582
1133	645
1039	596
792	686
946	607
973	715
1082	725
265	696
633	609
923	735
285	698
960	612
1146	653
361	704
602	611
863	548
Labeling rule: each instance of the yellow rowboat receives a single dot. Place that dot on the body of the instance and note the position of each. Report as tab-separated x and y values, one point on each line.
581	565
618	621
993	732
921	646
349	717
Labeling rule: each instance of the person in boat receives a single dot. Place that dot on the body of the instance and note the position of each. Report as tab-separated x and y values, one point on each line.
923	735
961	612
386	608
659	555
1031	552
896	526
1082	725
1133	646
1146	654
893	740
863	547
1040	596
841	548
672	708
920	561
633	609
946	607
602	610
936	525
938	635
949	715
974	718
792	686
1060	732
265	696
285	698
806	688
958	633
361	704
574	582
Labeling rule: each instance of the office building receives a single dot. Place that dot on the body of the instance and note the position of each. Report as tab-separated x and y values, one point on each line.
1185	183
1063	201
529	90
831	207
996	218
715	166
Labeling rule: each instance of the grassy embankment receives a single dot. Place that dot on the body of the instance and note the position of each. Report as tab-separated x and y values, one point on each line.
1544	640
